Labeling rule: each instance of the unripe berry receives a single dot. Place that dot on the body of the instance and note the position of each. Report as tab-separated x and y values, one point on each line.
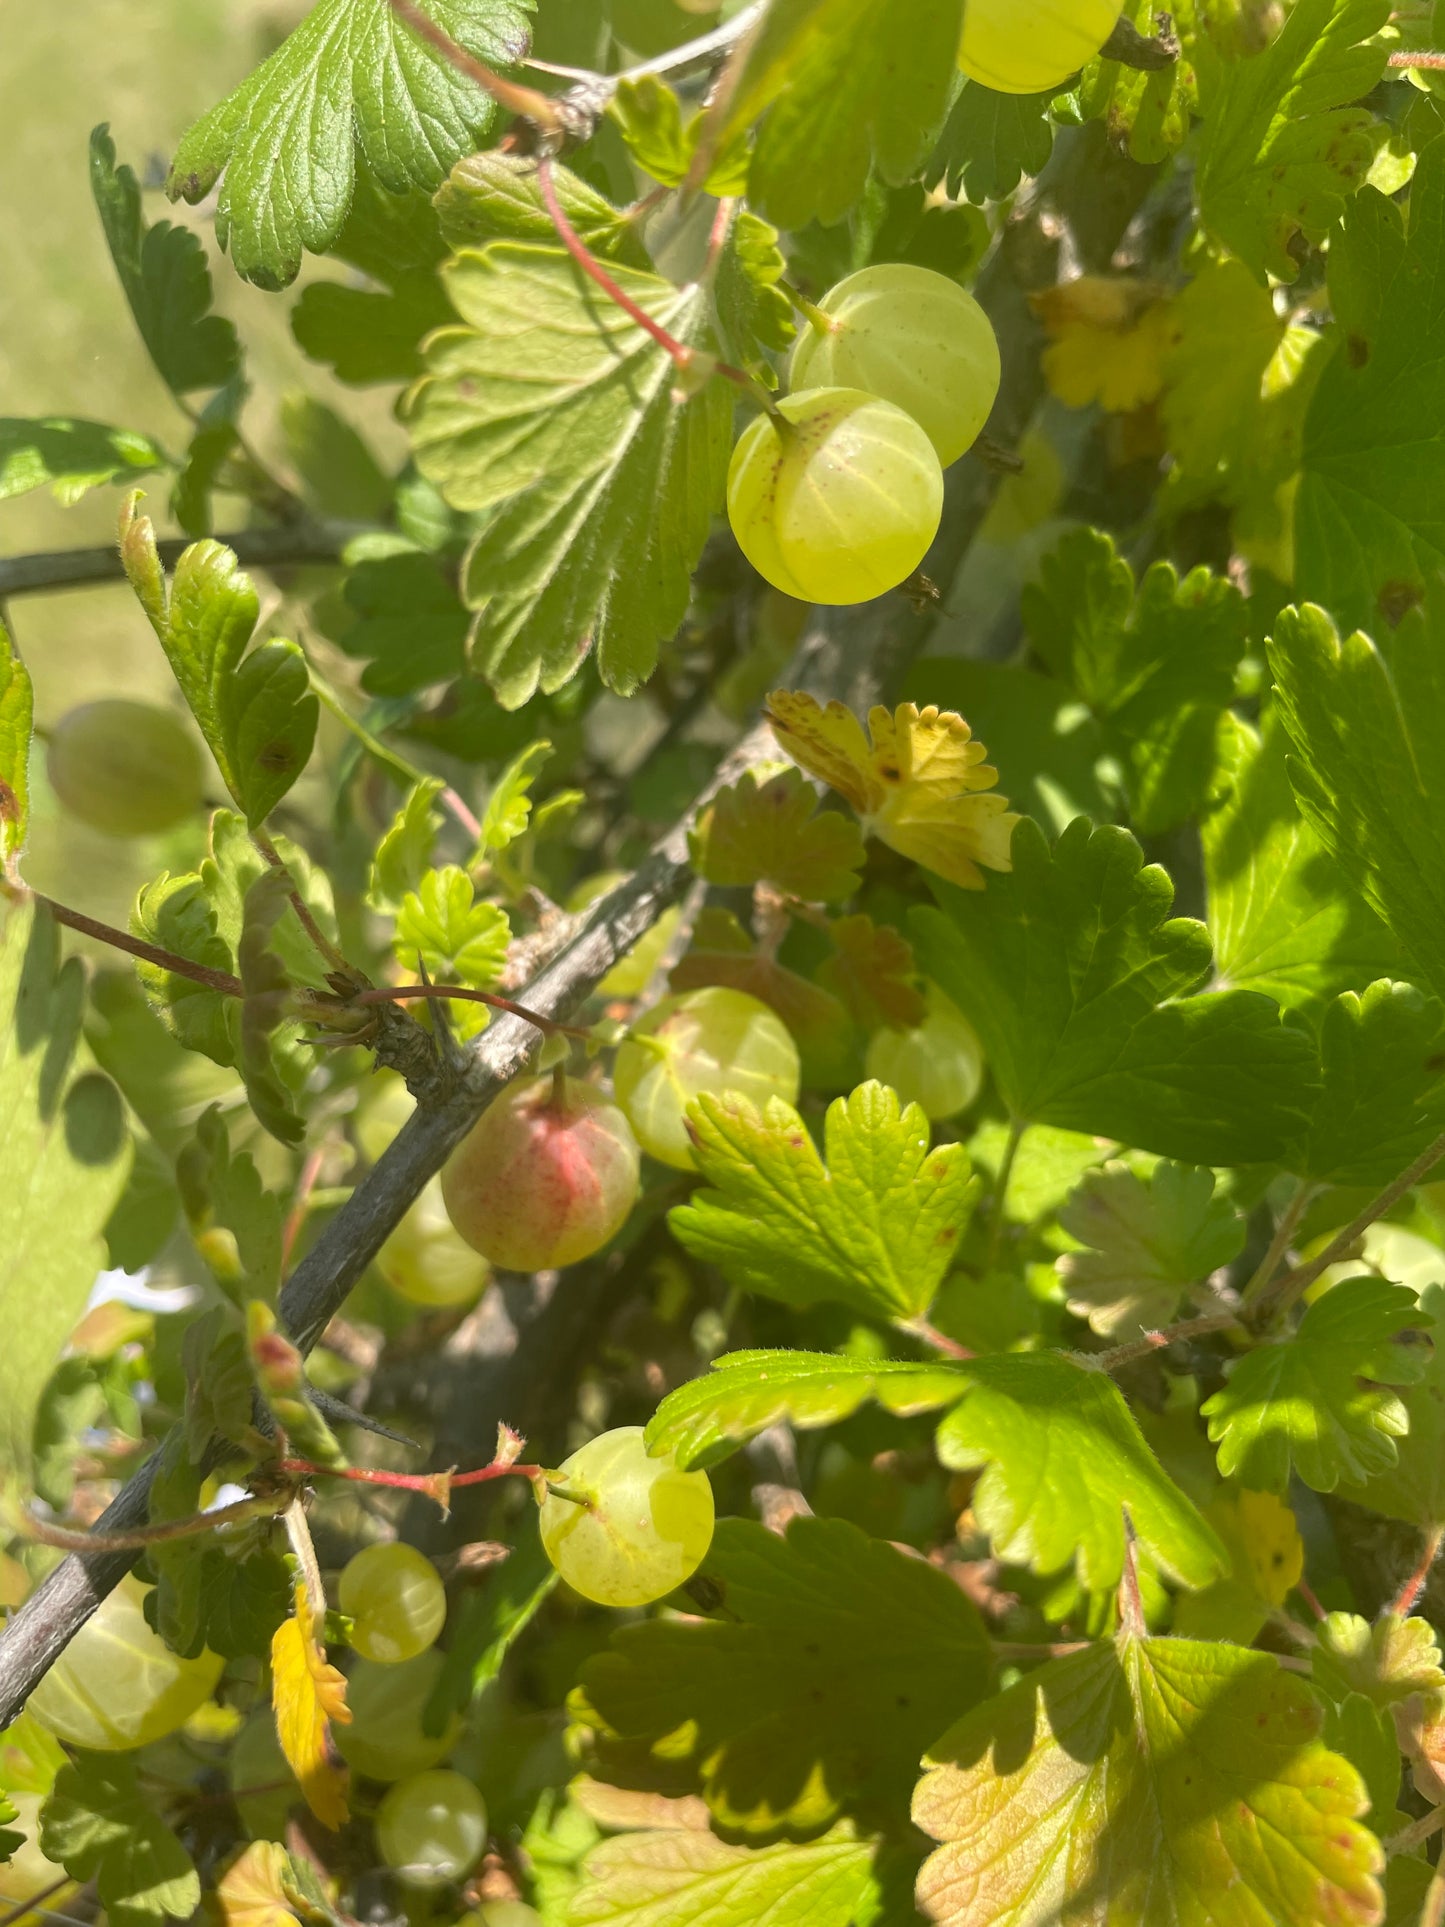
547	1176
938	1066
127	768
1019	48
708	1041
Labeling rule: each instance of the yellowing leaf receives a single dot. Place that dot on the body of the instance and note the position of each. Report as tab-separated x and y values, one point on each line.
307	1692
250	1893
1266	1557
1156	1783
1108	338
921	786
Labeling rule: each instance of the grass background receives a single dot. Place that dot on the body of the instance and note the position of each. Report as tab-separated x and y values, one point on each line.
68	347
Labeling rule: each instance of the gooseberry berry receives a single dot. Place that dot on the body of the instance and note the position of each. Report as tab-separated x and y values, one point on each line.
913	337
626	1528
711	1040
125	767
836	496
1018	48
546	1176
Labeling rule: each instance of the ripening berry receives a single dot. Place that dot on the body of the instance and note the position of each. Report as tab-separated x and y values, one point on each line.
127	768
546	1177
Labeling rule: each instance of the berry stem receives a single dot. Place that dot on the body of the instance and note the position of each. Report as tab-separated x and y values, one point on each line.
687	360
810	311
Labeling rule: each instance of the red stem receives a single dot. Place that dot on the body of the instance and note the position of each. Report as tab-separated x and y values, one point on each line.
525	101
407	1481
219	980
1430	60
469	822
1405	1599
686	358
458	993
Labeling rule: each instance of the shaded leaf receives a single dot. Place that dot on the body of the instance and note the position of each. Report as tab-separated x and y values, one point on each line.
255	710
1164	1780
1315	1400
1367	517
100	1824
873	972
1386	1661
403	856
1150	1240
69	456
990	141
167	283
709	1418
836	84
1383	1096
1156	666
373	333
876	1226
1281	917
1362	719
767	828
1076	980
1063	1458
813	1684
1413	1486
409	627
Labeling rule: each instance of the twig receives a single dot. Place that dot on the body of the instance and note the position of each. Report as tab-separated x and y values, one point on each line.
1405	1841
254	548
1146	53
1155	1341
586	102
137	1538
1278	1246
1294	1283
218	980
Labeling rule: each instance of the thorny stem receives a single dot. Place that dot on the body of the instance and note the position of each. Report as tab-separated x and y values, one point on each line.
1294	1283
1404	1601
426	1482
1429	61
527	102
717	239
1307	1593
69	1539
1155	1341
461	994
687	360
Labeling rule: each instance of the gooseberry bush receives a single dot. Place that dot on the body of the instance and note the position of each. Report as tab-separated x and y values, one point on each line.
749	1226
